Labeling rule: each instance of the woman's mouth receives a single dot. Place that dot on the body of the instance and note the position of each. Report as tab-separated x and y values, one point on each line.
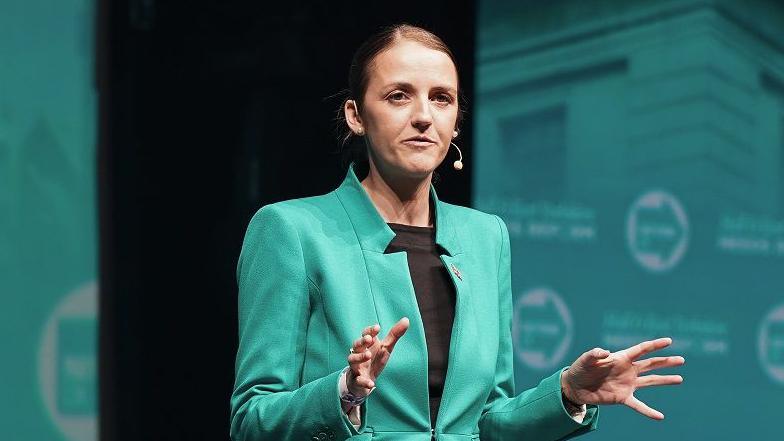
419	141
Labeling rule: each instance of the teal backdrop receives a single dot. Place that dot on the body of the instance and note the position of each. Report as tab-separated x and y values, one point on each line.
635	150
48	232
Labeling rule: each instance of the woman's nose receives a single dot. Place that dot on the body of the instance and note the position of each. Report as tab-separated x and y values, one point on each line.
422	117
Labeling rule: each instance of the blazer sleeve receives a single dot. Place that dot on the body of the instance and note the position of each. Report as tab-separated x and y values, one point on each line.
537	413
268	401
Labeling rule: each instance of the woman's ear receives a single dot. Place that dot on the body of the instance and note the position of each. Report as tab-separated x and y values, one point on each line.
353	119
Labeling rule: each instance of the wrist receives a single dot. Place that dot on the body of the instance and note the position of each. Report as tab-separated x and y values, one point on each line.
348	398
571	407
567	391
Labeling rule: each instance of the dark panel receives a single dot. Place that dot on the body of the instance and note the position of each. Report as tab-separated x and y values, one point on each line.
208	111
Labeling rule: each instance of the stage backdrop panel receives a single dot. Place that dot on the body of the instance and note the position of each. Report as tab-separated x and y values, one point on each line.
48	238
635	150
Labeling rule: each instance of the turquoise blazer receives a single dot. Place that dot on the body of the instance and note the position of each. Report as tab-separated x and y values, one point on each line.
312	275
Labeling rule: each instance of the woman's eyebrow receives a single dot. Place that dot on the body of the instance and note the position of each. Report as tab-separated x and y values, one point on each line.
408	86
399	85
448	89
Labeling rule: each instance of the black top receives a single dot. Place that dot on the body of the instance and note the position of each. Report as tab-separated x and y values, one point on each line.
435	296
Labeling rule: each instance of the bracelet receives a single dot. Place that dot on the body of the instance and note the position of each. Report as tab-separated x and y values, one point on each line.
352	399
571	405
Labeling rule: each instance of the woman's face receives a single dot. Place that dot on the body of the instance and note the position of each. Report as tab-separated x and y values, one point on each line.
410	109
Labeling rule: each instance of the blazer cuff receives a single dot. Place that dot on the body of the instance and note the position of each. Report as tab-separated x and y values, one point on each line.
355	416
586	419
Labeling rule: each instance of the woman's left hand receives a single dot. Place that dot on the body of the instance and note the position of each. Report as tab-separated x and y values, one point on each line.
603	377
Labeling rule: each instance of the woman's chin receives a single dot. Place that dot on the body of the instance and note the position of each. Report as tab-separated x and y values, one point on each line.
416	166
423	163
420	169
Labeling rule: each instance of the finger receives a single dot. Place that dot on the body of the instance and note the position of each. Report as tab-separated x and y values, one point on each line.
372	330
643	408
359	357
361	343
364	381
596	357
379	362
395	333
652	363
357	382
646	347
597	354
658	380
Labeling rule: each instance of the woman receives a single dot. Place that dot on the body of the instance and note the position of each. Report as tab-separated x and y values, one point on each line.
322	276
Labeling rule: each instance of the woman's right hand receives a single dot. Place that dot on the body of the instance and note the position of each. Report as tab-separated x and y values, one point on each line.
371	355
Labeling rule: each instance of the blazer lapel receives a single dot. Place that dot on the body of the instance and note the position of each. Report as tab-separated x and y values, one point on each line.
393	296
405	389
463	343
373	232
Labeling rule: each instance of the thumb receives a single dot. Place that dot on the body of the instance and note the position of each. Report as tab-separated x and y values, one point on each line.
598	354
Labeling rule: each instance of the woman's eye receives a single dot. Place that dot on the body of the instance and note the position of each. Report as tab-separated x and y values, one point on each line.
397	96
444	99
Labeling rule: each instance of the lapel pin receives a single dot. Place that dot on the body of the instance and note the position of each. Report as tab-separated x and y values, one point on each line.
457	272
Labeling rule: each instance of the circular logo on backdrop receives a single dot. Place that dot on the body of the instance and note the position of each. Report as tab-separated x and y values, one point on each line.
542	328
771	344
657	231
67	364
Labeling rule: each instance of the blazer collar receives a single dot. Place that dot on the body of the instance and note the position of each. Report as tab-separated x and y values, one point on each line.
373	232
